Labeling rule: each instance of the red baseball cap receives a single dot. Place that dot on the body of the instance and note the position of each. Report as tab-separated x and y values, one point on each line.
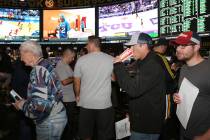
186	38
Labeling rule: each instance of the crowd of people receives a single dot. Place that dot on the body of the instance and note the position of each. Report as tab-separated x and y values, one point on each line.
53	98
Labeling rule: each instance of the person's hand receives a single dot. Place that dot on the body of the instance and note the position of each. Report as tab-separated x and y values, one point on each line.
173	67
127	116
77	99
19	104
5	86
200	138
117	59
177	98
205	136
1	74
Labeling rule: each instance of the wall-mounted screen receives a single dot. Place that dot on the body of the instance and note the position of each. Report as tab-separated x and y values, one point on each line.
123	19
184	15
19	24
66	24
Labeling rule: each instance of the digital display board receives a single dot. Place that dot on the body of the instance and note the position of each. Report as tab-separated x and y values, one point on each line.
184	15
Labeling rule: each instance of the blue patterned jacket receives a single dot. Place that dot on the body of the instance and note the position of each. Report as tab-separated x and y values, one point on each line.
43	90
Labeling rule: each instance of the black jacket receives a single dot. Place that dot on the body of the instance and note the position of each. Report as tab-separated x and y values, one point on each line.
20	78
147	91
171	86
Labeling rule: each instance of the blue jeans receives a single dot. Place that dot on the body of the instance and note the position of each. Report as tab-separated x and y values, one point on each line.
52	128
143	136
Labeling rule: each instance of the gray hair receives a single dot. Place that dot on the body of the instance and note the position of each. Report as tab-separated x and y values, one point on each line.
33	47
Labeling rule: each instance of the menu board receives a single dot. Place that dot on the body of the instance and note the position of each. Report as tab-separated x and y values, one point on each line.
184	15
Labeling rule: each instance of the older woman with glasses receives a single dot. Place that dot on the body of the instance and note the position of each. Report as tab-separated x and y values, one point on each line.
43	104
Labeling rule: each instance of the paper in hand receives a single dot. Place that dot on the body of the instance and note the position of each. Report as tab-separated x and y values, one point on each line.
188	93
122	128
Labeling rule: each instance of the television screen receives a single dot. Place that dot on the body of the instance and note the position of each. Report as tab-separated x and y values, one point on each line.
68	24
181	16
19	24
123	19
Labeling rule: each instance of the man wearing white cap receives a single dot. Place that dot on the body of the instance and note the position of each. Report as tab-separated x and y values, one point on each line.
197	71
146	90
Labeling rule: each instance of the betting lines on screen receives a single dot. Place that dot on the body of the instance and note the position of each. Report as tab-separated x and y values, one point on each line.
184	15
204	16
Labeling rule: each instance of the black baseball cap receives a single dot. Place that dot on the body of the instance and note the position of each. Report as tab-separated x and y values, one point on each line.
161	41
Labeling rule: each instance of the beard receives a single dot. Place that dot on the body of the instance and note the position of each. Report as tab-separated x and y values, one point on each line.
184	56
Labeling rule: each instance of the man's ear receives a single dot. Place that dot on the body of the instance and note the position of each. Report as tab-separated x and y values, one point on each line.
197	48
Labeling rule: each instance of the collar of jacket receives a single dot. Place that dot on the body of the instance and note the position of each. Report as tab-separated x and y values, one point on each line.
148	56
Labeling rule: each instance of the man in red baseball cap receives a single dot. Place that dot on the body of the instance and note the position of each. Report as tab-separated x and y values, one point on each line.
187	38
197	71
188	46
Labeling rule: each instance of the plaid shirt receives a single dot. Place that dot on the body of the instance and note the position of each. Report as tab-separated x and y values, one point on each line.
43	90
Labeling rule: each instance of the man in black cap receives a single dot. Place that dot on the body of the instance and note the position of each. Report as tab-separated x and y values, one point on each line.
161	45
146	89
160	48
